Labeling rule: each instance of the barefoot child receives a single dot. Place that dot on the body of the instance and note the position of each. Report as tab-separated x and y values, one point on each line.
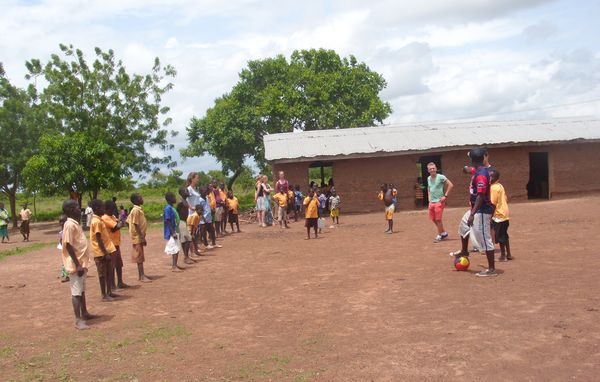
311	205
102	249
171	226
25	216
185	237
206	224
137	230
298	197
76	260
193	223
500	217
385	195
114	231
334	203
64	275
233	207
281	198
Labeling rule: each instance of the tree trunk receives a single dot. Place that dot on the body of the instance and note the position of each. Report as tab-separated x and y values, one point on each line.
232	179
12	198
95	194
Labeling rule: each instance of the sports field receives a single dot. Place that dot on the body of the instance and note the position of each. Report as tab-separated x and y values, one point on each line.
354	305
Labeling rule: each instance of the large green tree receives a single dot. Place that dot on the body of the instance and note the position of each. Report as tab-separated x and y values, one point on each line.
102	121
314	90
19	132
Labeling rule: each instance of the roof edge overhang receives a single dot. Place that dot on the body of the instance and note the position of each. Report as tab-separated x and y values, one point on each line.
382	154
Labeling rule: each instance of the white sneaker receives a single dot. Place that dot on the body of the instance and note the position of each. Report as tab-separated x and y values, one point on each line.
209	247
437	239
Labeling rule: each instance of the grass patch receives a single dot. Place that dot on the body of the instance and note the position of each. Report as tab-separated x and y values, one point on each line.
273	366
6	352
23	250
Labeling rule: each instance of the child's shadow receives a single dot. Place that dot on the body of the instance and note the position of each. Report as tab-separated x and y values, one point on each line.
100	319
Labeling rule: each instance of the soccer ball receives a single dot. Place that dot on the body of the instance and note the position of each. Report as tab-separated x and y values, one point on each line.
461	263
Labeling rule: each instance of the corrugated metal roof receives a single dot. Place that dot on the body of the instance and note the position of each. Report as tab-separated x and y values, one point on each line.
398	139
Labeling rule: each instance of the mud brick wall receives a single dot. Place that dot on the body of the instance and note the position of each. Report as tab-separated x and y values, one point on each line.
573	167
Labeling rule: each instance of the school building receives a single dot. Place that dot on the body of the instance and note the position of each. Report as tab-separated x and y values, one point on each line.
537	159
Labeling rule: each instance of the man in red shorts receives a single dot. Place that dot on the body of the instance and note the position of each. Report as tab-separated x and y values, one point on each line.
438	188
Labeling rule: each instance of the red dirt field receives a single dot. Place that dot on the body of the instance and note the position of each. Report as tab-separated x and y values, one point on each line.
354	305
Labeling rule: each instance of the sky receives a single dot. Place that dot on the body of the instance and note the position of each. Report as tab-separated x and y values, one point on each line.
443	60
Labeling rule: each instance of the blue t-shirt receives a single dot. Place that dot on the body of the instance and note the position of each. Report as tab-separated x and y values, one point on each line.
206	211
322	201
169	213
480	183
298	198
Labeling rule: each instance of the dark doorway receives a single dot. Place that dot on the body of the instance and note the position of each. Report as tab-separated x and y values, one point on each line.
538	186
437	159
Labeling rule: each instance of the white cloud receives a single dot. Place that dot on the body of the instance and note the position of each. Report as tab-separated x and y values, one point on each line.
442	59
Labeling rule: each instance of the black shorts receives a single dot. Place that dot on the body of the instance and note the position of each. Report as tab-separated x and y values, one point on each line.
312	222
501	230
232	218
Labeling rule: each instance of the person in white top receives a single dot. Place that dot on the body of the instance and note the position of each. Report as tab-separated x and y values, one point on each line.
25	216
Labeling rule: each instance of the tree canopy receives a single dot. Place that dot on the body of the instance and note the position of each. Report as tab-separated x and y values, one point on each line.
100	121
314	90
20	126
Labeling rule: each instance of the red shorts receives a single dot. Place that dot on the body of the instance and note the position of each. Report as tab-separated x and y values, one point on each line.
436	210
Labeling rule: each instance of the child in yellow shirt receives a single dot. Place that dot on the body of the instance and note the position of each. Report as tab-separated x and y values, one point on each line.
233	207
500	216
311	205
102	248
137	230
282	200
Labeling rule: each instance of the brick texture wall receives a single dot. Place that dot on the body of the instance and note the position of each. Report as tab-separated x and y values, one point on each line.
571	169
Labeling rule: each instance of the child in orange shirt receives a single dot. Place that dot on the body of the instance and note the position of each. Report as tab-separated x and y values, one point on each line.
282	199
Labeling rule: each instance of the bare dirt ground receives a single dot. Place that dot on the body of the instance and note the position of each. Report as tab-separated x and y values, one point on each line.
354	305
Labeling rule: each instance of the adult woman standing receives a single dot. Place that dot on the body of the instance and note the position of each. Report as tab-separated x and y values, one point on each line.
259	199
267	189
194	197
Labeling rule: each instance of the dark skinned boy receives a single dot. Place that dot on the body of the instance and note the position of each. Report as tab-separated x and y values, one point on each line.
103	249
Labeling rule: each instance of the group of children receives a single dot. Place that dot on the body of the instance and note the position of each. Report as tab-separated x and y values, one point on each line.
196	217
103	247
317	204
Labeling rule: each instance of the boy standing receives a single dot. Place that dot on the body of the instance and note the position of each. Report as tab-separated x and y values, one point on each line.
137	230
334	203
193	223
171	226
281	198
500	217
298	201
114	231
311	205
75	257
25	216
385	195
184	234
224	214
438	188
233	207
207	226
102	248
477	224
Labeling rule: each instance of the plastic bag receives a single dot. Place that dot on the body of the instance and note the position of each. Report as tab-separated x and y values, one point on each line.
321	223
173	247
